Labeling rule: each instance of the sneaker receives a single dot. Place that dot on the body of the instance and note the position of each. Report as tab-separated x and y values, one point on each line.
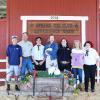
92	90
17	88
86	90
8	87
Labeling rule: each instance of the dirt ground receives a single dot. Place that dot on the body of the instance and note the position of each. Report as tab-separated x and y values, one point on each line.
81	96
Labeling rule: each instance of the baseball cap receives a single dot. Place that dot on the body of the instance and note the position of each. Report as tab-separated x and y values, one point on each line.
14	36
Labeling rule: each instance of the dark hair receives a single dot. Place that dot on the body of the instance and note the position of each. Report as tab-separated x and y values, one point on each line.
89	42
38	38
51	34
66	42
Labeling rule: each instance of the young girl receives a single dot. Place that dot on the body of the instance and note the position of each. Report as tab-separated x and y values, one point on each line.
77	60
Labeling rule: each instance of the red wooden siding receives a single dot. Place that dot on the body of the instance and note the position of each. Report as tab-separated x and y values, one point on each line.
3	37
3	42
17	8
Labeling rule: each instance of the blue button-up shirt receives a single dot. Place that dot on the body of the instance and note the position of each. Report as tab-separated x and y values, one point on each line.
53	52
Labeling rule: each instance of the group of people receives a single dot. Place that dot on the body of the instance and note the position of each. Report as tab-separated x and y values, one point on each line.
23	56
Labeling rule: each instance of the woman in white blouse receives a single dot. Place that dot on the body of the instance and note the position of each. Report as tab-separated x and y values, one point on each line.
90	59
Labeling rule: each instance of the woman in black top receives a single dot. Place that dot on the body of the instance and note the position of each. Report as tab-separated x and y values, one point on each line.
64	56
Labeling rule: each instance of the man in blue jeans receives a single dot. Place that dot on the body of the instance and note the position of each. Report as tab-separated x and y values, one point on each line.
27	51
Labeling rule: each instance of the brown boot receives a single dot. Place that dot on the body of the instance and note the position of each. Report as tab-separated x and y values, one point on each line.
17	88
8	87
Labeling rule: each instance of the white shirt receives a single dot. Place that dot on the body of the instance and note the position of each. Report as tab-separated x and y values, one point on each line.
26	48
38	54
91	58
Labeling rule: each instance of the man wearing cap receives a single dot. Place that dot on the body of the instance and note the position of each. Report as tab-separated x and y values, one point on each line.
14	61
27	52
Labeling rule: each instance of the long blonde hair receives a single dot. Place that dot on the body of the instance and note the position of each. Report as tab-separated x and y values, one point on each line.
80	45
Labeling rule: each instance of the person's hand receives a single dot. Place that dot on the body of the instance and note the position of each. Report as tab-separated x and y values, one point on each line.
36	62
7	64
41	62
46	52
49	49
20	65
52	64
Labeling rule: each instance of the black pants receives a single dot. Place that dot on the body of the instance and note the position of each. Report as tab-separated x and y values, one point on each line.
64	66
40	67
89	71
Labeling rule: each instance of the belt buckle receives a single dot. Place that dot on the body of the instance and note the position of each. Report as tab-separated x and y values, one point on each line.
27	57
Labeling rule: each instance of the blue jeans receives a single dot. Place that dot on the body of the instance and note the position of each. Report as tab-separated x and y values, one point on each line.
77	71
26	65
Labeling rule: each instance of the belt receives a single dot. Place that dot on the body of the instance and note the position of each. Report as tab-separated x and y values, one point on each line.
27	57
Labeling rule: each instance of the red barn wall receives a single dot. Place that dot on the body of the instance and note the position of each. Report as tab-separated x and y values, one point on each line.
3	38
3	44
17	8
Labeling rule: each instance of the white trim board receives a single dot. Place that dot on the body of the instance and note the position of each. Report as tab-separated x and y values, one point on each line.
2	79
3	60
3	70
83	20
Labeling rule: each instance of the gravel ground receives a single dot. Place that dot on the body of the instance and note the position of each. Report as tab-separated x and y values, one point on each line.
81	96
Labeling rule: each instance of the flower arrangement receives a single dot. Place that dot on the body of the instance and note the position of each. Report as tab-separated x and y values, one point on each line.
26	83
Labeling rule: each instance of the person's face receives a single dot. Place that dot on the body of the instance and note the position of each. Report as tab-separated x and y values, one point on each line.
25	37
14	41
87	46
77	44
38	41
63	42
51	39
